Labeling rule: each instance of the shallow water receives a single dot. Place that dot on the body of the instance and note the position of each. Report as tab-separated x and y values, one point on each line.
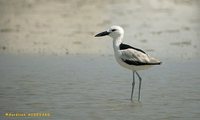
88	87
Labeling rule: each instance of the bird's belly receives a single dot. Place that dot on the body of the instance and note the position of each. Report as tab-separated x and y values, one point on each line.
131	67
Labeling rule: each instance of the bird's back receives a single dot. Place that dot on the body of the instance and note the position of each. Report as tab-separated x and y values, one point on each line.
134	58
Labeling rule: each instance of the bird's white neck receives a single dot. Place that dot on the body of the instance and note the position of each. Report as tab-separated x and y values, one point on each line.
116	42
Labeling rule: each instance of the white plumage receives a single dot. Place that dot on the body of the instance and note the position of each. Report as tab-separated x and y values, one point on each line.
127	56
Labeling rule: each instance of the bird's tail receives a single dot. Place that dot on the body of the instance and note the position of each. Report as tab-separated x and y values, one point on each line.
157	63
154	61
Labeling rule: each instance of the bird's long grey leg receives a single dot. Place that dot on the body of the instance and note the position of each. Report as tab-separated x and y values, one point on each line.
133	85
140	82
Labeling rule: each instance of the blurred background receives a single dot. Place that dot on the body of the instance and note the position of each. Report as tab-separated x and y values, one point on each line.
166	28
50	61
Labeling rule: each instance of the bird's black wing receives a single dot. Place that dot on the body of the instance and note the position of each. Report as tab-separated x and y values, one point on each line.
135	56
125	46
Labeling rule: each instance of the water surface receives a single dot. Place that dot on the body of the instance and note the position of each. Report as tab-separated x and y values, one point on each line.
92	87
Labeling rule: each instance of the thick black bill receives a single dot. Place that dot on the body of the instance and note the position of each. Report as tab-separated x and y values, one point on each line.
102	34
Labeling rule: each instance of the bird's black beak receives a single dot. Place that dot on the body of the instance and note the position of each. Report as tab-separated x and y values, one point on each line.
102	34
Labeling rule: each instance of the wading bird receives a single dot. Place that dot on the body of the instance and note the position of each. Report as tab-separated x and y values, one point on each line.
129	57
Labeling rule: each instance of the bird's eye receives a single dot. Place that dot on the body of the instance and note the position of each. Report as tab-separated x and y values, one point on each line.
113	30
